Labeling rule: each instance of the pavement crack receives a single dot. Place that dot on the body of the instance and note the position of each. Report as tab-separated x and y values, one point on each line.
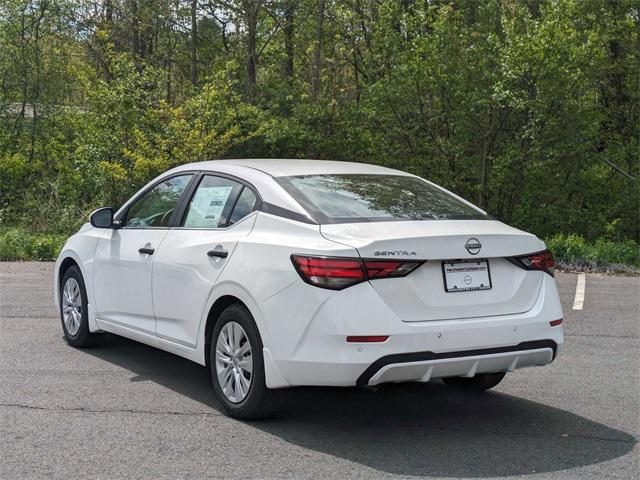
599	335
549	435
110	410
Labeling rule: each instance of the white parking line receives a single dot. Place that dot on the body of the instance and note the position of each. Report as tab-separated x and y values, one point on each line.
578	301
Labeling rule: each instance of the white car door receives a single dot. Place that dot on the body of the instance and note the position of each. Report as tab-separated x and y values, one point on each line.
193	255
124	257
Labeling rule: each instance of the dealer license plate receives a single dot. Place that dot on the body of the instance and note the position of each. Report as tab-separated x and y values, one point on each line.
466	275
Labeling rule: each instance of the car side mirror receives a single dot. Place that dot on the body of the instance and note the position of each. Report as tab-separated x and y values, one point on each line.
102	218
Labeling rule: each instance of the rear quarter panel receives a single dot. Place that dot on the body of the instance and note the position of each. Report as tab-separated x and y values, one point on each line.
261	268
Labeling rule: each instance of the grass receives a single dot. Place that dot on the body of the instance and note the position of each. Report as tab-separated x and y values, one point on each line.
570	251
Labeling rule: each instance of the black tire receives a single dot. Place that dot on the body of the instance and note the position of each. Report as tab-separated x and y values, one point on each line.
260	401
83	337
479	383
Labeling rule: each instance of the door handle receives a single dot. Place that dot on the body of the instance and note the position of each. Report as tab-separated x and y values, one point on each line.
148	251
218	253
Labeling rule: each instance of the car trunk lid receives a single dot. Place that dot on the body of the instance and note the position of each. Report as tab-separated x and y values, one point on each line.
421	296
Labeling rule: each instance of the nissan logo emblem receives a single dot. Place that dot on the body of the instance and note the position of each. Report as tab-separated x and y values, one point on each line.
473	246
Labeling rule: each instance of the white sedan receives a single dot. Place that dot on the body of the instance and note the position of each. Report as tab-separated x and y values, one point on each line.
278	273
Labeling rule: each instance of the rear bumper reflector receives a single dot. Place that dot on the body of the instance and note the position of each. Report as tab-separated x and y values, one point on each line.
555	323
367	339
426	356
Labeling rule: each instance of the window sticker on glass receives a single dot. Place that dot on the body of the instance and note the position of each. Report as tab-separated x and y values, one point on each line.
207	206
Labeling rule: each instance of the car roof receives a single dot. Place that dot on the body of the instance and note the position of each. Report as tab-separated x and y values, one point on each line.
262	172
277	167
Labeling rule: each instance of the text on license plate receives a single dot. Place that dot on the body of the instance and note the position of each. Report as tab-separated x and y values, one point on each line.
466	275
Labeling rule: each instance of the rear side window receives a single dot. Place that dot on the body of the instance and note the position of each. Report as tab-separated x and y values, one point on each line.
244	206
351	198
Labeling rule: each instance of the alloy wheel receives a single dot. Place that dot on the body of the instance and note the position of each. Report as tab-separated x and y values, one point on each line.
234	362
71	306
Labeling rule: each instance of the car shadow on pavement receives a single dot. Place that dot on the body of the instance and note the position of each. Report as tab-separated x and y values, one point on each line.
405	429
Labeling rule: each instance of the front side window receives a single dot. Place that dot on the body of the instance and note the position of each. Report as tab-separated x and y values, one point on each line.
211	203
155	207
348	198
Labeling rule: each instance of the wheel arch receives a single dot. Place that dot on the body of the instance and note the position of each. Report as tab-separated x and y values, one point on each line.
66	260
79	252
273	376
216	309
65	264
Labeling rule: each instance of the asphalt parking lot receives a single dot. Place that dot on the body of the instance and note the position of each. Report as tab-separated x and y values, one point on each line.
124	410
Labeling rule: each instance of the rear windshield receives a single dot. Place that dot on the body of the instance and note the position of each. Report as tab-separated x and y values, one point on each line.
374	198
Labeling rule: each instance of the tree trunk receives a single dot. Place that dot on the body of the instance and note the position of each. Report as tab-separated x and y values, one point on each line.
288	38
317	55
108	9
194	43
483	193
487	146
136	28
251	8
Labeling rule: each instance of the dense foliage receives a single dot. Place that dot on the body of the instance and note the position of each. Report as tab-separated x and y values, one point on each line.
529	108
571	252
21	244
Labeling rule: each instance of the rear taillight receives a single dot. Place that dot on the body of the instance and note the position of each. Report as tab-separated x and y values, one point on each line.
333	273
538	261
337	273
389	268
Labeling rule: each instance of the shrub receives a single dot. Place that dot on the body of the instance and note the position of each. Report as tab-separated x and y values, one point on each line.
12	243
20	244
574	249
45	247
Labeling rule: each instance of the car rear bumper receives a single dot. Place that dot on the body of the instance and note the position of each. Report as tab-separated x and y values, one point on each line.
414	366
414	351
